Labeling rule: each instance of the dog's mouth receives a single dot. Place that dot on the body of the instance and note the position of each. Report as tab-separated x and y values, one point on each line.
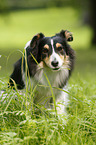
52	68
56	69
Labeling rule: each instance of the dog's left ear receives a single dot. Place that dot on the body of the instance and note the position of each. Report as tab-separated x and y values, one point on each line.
66	34
35	39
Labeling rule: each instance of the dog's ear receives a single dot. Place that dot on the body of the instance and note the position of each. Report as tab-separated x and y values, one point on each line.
35	39
66	34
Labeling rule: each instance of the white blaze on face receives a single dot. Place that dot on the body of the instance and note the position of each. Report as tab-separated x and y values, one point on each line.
55	57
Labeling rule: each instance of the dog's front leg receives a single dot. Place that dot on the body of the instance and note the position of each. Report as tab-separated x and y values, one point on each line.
61	103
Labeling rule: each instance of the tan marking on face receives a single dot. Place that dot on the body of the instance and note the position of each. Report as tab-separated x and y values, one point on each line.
58	45
66	60
47	60
62	57
41	64
46	46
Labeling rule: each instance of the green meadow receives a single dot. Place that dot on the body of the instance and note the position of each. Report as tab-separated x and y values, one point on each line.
19	124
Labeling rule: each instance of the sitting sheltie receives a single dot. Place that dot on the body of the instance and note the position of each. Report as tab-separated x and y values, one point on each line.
47	63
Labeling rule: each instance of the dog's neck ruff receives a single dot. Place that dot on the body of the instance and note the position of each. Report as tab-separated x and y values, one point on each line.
56	78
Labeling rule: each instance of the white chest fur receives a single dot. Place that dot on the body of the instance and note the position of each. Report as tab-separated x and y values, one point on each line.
47	83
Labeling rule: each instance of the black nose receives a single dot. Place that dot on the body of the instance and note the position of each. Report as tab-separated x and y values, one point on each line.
54	63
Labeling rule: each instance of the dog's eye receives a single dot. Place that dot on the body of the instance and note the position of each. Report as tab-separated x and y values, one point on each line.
59	48
45	50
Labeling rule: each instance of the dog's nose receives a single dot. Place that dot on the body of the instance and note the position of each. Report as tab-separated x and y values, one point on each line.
54	63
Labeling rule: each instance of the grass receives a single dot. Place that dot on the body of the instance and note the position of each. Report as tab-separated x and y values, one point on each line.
19	124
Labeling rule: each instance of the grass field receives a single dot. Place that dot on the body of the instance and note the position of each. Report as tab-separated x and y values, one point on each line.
18	122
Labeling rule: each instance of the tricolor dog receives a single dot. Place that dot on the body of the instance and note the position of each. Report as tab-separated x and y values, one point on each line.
48	63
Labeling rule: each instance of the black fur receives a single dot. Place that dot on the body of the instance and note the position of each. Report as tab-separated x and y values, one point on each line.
16	76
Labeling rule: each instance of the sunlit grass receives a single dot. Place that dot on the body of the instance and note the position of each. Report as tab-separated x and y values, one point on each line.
21	125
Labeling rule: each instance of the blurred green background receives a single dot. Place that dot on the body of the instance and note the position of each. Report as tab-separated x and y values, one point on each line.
20	20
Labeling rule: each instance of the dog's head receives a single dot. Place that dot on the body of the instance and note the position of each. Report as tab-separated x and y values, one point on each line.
53	51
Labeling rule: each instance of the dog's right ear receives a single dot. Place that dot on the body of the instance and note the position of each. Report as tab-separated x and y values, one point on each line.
35	39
